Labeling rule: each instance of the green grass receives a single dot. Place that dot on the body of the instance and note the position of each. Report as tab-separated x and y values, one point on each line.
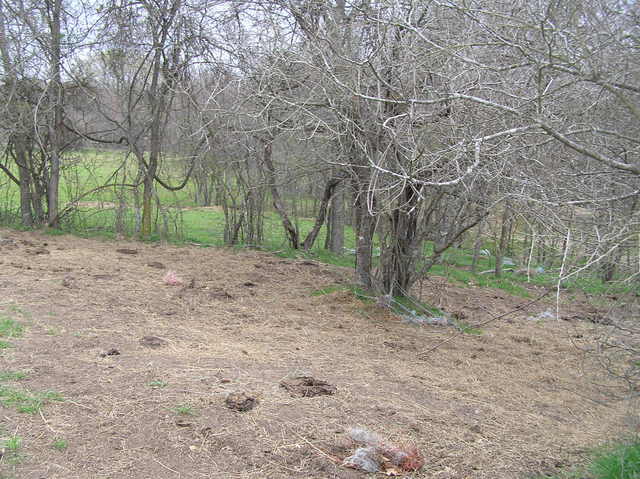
405	305
5	345
12	375
157	384
467	328
60	444
615	461
12	450
21	400
184	410
618	462
357	291
10	328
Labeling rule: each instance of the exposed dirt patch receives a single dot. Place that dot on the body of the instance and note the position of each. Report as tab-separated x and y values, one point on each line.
505	404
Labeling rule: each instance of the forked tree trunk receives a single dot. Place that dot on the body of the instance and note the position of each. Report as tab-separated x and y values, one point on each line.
399	257
290	230
329	189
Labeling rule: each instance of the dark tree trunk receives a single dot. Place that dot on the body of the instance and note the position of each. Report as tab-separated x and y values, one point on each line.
291	231
503	242
55	125
26	212
322	213
335	230
477	245
400	254
365	227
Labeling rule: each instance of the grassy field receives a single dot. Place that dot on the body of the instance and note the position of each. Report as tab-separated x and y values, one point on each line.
612	461
182	221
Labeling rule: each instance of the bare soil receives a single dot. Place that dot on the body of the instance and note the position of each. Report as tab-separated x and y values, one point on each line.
146	369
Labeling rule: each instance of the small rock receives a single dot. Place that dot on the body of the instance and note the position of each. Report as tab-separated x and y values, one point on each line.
156	264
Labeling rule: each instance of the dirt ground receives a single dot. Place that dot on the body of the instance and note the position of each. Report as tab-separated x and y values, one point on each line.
510	403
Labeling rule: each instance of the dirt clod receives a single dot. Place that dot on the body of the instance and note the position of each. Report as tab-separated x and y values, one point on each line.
156	264
37	251
153	342
110	352
241	402
307	386
127	251
220	294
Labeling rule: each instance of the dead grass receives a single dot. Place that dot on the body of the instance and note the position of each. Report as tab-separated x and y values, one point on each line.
507	404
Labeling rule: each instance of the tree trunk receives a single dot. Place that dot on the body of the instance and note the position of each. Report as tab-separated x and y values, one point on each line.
365	227
477	246
147	198
399	257
336	222
21	155
55	124
26	213
291	231
322	213
504	239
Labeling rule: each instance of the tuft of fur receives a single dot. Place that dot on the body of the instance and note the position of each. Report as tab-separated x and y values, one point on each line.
363	436
377	453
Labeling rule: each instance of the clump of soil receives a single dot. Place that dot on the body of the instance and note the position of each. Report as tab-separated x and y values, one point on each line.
308	387
127	251
241	402
110	352
153	342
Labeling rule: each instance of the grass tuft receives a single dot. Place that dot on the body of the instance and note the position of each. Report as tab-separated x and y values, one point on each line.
157	384
184	410
11	450
60	444
12	375
614	461
26	402
10	328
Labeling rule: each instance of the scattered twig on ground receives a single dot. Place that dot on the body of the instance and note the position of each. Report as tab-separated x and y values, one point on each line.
483	323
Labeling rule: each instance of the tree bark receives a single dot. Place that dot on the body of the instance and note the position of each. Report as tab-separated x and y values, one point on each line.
336	222
55	123
365	227
290	230
322	213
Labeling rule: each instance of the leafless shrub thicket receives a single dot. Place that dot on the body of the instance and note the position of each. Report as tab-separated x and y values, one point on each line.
410	120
